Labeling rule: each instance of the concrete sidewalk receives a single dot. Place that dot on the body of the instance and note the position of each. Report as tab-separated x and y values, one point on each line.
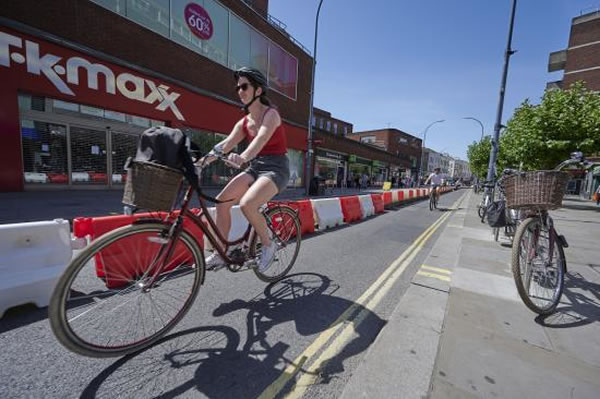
461	330
32	206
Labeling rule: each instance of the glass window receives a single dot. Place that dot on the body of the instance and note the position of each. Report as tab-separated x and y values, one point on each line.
215	48
296	159
239	47
34	103
58	104
153	14
117	6
328	126
139	121
345	130
44	152
180	32
335	128
282	71
321	123
314	121
117	116
93	111
259	51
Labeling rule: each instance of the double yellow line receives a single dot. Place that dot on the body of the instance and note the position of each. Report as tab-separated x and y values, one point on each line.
366	303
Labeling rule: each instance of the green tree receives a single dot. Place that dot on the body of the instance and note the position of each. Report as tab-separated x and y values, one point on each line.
541	136
478	154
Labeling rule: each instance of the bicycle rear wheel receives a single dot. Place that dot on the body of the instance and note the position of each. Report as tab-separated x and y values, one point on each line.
284	225
538	271
431	202
103	304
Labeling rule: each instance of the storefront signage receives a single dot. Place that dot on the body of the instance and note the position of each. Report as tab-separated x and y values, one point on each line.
50	66
198	21
332	155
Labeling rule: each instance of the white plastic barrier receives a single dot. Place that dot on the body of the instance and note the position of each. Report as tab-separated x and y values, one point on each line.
366	205
239	224
395	196
33	177
80	176
32	257
328	212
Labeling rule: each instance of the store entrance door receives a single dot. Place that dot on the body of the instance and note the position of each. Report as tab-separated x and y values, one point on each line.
88	156
123	145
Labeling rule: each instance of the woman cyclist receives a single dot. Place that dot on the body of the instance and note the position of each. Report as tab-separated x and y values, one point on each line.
268	170
436	181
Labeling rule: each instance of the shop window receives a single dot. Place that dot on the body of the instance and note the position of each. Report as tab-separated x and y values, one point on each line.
283	70
92	111
44	148
296	159
259	52
138	121
31	103
117	6
64	105
123	147
180	32
116	116
215	48
153	14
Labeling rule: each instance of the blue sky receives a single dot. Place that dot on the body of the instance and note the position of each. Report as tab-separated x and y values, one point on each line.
404	64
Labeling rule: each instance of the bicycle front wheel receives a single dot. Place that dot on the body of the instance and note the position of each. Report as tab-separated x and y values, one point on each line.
126	290
284	226
538	266
431	202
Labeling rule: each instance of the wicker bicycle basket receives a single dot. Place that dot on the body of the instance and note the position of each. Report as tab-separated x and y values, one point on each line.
151	186
542	189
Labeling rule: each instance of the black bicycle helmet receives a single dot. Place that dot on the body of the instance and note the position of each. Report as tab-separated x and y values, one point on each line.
254	76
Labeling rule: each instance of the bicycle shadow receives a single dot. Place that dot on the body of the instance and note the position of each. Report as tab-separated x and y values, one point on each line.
216	362
580	310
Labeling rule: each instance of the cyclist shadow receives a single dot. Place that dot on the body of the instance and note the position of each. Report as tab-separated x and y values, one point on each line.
580	308
213	360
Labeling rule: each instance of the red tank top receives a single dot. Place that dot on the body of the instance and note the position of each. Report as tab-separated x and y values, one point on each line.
276	145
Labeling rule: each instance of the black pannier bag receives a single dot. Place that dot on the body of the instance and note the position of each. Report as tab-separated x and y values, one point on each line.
496	214
155	175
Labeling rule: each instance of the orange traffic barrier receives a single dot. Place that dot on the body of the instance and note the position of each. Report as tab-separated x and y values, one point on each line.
351	208
377	202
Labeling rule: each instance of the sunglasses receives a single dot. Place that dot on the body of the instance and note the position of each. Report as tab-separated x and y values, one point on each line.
243	86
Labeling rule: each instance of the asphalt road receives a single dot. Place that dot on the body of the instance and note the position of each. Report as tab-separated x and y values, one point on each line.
241	334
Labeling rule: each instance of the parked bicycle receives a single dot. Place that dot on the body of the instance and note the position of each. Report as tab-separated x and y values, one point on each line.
129	287
538	259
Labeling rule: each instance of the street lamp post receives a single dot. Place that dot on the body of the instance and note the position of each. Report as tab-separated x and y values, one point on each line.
498	125
423	145
478	121
309	149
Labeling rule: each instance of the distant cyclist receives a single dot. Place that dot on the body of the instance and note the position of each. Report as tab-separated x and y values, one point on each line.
268	173
436	181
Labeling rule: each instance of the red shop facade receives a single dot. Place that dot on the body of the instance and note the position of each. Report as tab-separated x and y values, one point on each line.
69	119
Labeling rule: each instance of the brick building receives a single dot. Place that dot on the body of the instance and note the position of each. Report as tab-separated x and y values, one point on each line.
404	146
581	60
82	79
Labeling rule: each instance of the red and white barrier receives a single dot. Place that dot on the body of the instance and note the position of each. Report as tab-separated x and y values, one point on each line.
33	257
351	208
327	212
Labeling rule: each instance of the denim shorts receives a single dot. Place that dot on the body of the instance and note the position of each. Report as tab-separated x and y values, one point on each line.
275	167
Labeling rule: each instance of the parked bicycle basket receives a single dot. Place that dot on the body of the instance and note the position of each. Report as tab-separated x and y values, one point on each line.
151	186
542	189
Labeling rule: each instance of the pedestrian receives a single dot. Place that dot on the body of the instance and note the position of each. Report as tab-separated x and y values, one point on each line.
597	195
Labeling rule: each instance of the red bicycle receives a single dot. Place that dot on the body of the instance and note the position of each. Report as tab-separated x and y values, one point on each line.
129	287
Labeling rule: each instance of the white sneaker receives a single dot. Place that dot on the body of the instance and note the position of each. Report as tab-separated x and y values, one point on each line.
214	260
266	257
